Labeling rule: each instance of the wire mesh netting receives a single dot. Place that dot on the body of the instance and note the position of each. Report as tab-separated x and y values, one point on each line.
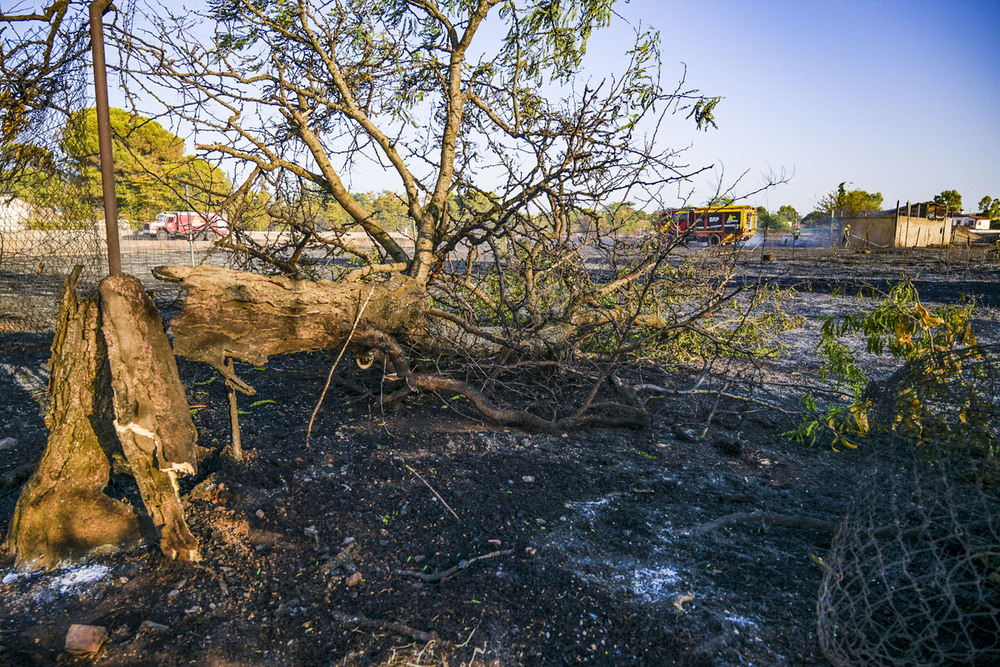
43	230
35	262
51	198
914	571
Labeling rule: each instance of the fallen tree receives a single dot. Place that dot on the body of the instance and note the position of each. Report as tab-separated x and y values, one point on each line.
249	317
528	192
530	250
520	238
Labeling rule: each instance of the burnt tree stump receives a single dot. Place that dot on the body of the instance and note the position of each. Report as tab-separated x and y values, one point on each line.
152	417
115	389
62	512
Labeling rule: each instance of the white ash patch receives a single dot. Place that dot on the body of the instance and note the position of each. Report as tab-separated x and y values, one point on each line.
649	579
588	507
587	510
10	578
653	583
741	621
79	576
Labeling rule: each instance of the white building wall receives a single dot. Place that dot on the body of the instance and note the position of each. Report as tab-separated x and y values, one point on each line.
14	214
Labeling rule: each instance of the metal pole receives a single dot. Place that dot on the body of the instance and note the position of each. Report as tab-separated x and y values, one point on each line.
908	228
97	11
187	207
895	229
945	228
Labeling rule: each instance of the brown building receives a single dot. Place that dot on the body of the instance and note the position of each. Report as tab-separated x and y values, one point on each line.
911	226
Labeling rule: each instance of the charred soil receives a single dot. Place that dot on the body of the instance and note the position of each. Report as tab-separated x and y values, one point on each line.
422	535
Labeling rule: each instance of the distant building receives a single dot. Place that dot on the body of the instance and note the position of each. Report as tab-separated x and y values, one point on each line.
923	209
910	226
970	221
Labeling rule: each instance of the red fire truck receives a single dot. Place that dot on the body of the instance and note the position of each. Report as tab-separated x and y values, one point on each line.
188	224
714	224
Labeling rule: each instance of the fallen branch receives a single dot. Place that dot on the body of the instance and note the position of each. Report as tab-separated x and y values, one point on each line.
477	331
621	414
436	494
345	555
371	269
388	626
766	518
625	415
235	247
329	377
451	571
235	449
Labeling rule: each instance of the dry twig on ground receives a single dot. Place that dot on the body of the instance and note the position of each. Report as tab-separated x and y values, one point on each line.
444	575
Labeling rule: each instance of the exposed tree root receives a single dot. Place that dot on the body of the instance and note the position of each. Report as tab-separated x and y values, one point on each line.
387	626
765	518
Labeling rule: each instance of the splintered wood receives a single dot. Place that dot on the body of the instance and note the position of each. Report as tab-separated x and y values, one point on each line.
153	421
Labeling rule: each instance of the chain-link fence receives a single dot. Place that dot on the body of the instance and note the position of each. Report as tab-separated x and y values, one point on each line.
33	264
51	216
914	572
35	261
43	230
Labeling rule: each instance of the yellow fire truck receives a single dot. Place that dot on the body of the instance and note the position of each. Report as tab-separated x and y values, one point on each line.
714	224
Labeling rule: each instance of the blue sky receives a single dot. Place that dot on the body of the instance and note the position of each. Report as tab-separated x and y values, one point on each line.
901	98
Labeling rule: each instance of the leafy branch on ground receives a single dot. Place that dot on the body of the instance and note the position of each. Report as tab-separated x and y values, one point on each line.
933	396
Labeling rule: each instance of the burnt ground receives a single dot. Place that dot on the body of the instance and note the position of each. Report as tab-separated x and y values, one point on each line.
557	549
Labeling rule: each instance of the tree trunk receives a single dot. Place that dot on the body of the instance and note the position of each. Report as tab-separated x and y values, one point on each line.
153	420
62	512
249	316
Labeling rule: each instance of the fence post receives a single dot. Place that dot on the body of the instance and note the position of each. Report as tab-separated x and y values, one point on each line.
97	10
